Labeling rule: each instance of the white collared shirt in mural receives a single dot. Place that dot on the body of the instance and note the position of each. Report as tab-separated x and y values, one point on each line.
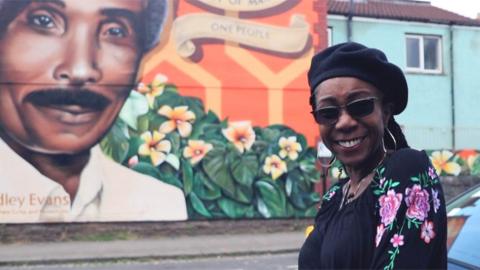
107	192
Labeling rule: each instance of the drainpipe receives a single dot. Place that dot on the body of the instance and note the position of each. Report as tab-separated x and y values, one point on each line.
349	21
452	84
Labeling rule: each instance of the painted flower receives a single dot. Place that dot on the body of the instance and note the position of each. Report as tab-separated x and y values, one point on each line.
275	166
436	200
289	147
431	172
440	160
153	90
196	150
309	230
389	205
155	147
133	161
380	231
241	134
427	232
180	118
338	173
397	240
417	200
471	160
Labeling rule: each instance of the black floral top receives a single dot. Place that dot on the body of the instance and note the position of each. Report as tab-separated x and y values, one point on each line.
399	223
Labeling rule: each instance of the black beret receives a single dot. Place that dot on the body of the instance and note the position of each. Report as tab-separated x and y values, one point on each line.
367	64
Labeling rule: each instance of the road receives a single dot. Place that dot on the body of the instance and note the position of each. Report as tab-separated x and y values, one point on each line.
258	262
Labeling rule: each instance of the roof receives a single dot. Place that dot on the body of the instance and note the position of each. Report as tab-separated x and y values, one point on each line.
403	10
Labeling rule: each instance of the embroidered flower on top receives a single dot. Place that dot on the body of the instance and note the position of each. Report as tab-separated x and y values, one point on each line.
417	200
289	147
427	233
154	147
196	150
275	166
389	205
440	160
180	118
436	200
431	172
397	240
241	134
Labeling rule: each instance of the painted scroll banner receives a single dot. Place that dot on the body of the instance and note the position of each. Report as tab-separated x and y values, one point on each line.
292	39
243	5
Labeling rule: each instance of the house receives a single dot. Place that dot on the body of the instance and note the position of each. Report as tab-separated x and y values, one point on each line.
439	52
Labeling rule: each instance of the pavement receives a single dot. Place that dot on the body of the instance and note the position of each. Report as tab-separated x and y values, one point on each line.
157	248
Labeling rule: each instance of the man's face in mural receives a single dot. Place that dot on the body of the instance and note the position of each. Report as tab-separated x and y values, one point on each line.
66	68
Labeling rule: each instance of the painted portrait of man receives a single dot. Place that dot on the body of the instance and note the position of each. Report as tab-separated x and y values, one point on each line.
66	69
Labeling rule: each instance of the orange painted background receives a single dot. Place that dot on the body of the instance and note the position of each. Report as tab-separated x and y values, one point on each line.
243	83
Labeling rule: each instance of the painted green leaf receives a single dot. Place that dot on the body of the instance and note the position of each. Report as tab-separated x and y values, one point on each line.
187	175
198	205
148	169
263	209
243	194
244	169
301	193
134	144
204	188
115	143
173	161
233	209
135	105
172	180
272	197
476	167
215	166
143	123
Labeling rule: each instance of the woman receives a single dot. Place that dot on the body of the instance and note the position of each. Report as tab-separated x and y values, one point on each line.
389	213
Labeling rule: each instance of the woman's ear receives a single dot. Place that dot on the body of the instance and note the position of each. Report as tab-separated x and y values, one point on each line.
387	109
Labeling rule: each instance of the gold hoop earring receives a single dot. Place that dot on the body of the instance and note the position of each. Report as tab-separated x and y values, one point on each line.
393	139
329	163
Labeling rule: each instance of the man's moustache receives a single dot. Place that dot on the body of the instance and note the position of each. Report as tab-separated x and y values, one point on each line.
63	97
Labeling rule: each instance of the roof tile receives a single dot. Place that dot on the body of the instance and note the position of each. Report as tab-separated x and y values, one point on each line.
403	10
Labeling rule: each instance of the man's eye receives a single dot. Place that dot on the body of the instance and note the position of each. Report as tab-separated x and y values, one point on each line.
43	21
119	32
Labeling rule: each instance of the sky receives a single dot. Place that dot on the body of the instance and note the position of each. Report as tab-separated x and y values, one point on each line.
468	8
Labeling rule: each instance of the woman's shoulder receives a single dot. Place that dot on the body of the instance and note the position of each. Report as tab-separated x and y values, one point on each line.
407	167
408	160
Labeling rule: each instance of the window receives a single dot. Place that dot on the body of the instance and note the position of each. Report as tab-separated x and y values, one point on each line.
329	36
424	53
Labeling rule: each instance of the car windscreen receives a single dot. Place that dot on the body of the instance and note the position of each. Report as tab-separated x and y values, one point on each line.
464	228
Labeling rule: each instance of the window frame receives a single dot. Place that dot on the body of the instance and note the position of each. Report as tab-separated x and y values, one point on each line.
421	48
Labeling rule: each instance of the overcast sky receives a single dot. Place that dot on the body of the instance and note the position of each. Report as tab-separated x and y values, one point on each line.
468	8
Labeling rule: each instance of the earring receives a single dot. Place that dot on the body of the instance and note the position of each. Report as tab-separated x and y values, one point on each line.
393	139
329	164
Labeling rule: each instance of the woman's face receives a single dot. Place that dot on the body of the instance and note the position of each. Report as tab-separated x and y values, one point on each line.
355	136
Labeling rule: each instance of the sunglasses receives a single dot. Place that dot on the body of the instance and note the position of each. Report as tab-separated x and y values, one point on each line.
356	109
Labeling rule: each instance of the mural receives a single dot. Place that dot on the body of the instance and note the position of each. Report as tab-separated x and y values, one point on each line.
445	162
227	135
227	169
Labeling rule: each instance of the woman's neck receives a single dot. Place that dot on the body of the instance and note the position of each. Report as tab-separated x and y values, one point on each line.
356	173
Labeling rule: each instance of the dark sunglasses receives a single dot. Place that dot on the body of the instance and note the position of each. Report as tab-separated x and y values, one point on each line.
356	109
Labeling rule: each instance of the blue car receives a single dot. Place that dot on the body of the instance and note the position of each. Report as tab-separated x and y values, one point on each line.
463	239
